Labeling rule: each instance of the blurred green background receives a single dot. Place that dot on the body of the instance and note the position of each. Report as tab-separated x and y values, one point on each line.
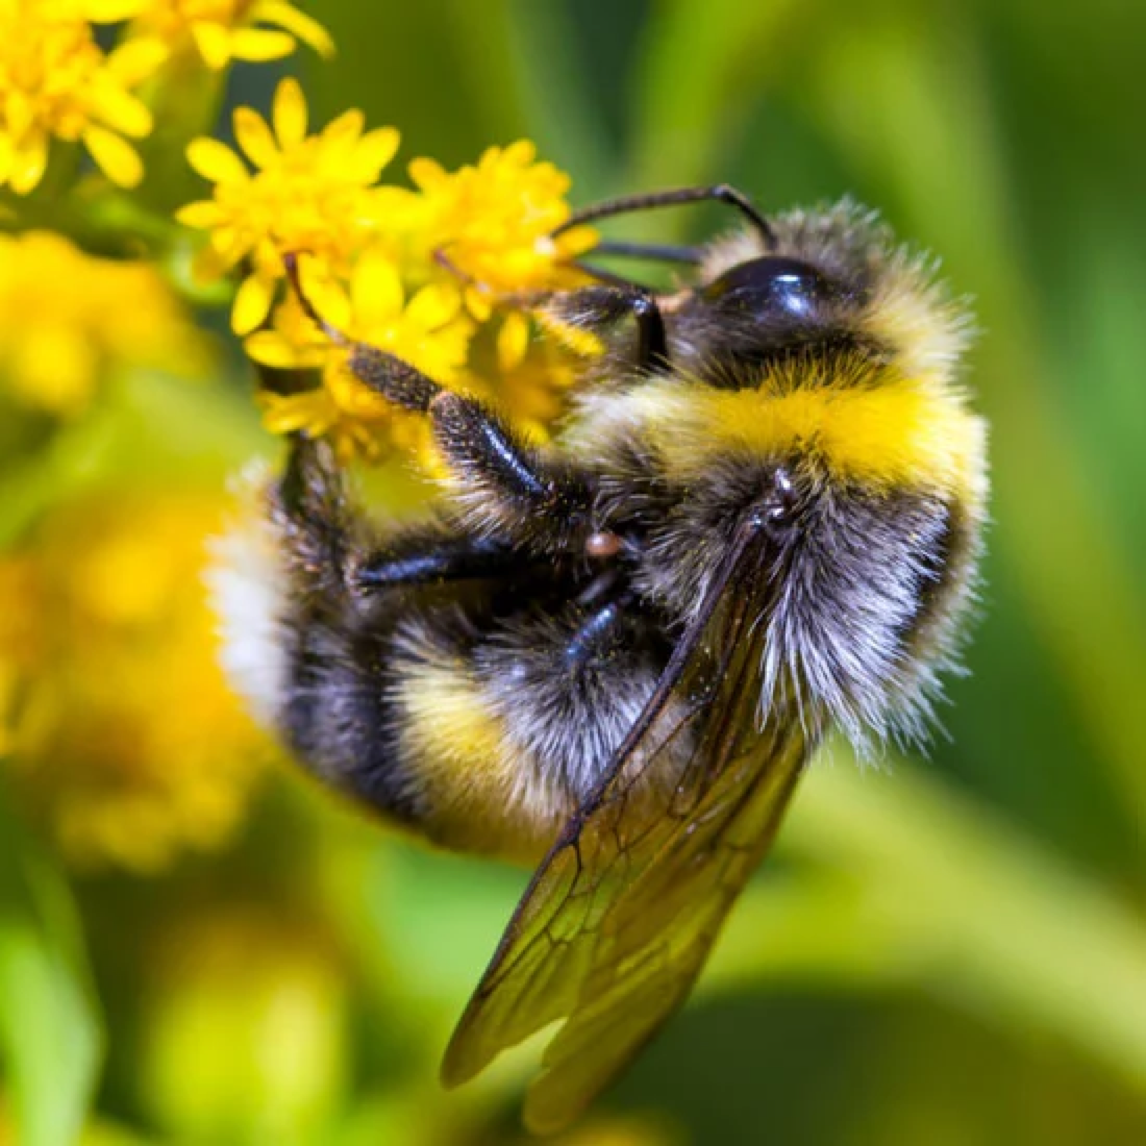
945	951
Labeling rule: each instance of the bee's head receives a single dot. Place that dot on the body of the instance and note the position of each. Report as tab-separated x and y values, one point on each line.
771	307
827	284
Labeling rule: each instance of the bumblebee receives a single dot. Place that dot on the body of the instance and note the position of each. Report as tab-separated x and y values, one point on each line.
614	656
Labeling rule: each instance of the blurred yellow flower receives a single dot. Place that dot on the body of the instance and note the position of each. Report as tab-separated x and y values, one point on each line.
493	222
67	319
57	82
224	30
308	194
124	738
245	1037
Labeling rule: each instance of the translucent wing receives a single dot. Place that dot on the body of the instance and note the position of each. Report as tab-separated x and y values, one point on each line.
619	919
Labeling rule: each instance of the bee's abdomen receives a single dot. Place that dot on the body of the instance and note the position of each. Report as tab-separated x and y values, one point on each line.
507	732
476	716
340	717
312	668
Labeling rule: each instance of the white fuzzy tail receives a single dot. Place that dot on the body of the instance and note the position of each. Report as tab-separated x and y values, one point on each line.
247	586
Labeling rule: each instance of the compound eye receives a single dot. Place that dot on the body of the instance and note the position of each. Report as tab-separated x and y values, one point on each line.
771	287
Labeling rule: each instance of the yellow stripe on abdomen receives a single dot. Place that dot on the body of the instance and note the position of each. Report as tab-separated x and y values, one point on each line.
482	797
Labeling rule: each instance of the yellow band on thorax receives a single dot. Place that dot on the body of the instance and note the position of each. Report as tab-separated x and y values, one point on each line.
915	432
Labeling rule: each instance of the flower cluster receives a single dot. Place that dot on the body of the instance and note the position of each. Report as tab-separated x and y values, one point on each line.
219	31
121	729
437	274
59	83
118	726
71	320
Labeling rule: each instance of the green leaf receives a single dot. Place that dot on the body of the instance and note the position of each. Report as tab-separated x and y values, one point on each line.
706	63
927	132
50	1036
913	883
554	87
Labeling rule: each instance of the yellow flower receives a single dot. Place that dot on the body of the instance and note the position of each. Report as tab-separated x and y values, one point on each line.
57	82
225	30
417	273
308	193
429	331
528	378
493	221
68	319
126	742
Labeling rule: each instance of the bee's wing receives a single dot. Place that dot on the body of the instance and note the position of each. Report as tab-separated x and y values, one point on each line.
619	919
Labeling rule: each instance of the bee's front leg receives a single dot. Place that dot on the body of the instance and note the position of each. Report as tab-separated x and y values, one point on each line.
504	489
596	308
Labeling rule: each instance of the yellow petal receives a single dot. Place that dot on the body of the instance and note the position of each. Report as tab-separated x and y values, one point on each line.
28	162
521	153
434	306
121	111
376	291
398	208
324	294
478	303
19	113
208	266
270	348
252	304
427	173
512	340
313	411
114	156
203	215
576	241
215	161
346	128
260	44
111	11
299	24
7	155
374	151
229	245
213	42
255	137
134	61
352	397
289	113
